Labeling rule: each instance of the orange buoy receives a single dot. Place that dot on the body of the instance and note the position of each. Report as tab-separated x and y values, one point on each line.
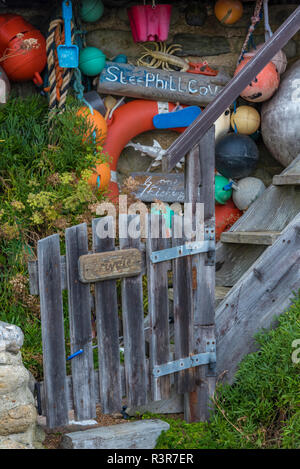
228	11
263	86
101	178
96	121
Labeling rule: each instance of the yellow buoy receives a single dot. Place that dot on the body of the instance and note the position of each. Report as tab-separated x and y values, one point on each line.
246	120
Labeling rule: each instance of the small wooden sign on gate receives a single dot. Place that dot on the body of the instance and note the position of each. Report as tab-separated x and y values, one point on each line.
110	265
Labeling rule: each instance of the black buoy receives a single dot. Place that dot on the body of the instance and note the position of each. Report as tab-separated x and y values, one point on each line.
236	156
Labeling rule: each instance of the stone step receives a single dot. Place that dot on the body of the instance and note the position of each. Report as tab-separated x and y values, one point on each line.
265	238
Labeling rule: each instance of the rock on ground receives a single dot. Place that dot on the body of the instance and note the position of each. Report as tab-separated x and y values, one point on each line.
142	434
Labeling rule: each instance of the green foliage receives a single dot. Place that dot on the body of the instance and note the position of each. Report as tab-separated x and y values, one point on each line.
262	408
44	172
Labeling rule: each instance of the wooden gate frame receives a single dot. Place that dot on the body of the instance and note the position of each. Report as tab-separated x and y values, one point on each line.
193	286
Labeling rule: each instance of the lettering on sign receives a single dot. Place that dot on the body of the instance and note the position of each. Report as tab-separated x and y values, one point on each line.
139	82
110	265
159	186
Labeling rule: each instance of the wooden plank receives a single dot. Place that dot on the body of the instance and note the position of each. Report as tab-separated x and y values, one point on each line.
261	294
183	314
133	327
286	180
159	186
200	189
158	306
160	85
80	318
265	238
106	306
53	338
110	265
290	175
186	141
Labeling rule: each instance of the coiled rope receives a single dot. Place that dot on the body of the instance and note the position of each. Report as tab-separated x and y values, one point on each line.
59	78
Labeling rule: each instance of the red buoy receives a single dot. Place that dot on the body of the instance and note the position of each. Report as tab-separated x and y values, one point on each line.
263	86
23	49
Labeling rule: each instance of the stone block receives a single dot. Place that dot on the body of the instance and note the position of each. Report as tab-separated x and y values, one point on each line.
142	434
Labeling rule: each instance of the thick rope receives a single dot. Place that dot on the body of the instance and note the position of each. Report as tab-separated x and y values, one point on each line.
59	78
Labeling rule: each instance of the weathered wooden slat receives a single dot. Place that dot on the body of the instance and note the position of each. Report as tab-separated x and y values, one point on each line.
220	293
160	85
110	265
183	313
158	306
261	294
200	189
106	306
70	394
33	269
80	325
133	327
185	142
265	238
290	176
52	319
287	180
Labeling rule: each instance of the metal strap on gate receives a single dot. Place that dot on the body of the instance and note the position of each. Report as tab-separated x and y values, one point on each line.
187	249
204	358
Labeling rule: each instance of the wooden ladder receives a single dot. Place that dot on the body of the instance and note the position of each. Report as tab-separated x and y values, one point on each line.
259	258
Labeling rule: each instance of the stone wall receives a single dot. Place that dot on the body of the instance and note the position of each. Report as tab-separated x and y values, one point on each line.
18	429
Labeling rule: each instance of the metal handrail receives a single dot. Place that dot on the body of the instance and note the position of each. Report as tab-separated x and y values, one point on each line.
193	134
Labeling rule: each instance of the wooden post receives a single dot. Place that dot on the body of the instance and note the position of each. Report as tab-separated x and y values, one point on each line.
199	187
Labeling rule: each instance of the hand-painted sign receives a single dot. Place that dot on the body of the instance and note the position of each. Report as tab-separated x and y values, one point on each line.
150	83
110	265
159	186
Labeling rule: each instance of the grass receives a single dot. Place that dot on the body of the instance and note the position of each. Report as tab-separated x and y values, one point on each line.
262	408
44	172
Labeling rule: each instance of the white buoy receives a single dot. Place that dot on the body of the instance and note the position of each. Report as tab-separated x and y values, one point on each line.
280	121
247	190
222	124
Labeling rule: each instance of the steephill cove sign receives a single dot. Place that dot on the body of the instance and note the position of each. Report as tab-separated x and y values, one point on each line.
161	85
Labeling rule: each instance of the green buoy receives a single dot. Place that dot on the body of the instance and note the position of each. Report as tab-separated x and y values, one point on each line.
91	61
222	195
91	10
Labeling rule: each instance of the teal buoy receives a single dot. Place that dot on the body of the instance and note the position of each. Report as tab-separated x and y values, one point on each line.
91	10
223	190
120	59
91	61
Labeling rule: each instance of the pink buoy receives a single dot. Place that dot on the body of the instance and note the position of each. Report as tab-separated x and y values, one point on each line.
150	22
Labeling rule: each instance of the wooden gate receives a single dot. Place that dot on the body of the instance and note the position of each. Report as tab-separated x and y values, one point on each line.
155	360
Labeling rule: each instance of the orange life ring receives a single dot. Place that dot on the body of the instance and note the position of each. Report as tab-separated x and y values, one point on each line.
127	122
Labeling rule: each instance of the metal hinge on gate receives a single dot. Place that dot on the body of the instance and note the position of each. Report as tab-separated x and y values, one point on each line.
187	249
204	358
